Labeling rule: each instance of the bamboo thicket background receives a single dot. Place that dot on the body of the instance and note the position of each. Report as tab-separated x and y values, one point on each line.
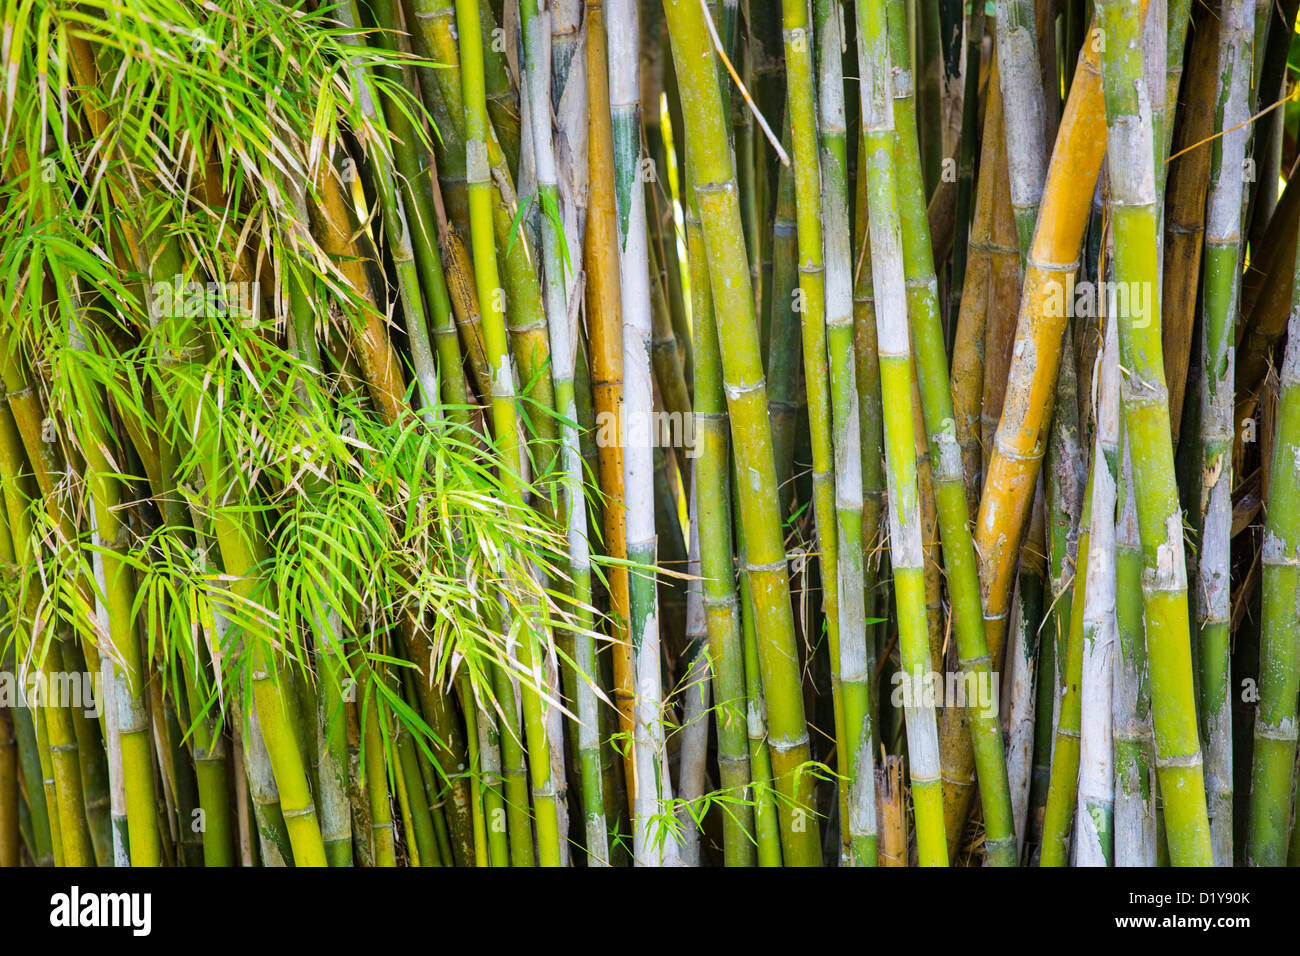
697	432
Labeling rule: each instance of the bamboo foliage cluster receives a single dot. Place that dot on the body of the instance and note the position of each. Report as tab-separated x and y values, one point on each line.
683	433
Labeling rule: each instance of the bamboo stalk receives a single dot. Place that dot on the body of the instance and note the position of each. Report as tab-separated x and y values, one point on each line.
804	83
713	520
652	779
888	280
1187	182
59	761
709	155
975	14
1026	112
1135	808
945	456
1094	819
1146	417
1223	252
1273	762
784	354
1062	789
870	441
856	662
504	415
605	334
562	317
856	659
969	353
1019	444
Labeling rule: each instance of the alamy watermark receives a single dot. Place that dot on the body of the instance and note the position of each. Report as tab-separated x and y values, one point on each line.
1130	300
74	690
974	690
656	429
210	300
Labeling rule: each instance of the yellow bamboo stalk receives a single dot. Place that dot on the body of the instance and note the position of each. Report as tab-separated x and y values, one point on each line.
605	340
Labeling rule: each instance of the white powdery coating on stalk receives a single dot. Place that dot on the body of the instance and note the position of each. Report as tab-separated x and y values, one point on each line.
948	464
839	316
118	708
624	53
569	99
904	523
1135	820
1019	722
1096	771
638	456
538	85
1132	175
877	96
922	743
1290	373
1216	534
477	167
862	798
652	784
887	280
1223	217
1025	112
1223	210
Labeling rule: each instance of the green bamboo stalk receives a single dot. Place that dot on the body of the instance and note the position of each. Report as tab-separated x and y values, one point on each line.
713	519
64	795
499	85
871	436
421	800
709	155
41	844
1063	782
272	834
1273	763
945	455
855	665
374	759
802	79
1223	253
767	827
515	280
242	550
1146	417
504	415
889	284
478	816
696	689
1135	812
562	318
784	348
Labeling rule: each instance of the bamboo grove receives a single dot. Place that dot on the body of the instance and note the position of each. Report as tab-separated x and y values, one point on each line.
661	433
